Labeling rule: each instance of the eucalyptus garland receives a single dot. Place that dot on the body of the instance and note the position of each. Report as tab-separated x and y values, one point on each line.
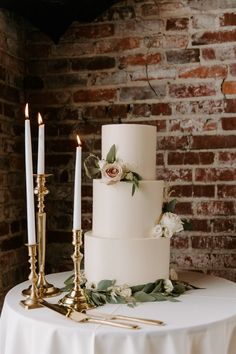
106	291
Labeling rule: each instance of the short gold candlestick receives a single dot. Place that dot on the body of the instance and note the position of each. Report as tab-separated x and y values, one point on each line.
32	300
76	298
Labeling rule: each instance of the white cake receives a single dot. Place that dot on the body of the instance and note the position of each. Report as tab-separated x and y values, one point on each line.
121	245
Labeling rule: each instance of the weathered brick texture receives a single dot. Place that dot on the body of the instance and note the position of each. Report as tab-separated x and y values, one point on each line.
13	257
167	63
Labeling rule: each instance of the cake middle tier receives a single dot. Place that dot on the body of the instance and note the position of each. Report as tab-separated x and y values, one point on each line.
118	214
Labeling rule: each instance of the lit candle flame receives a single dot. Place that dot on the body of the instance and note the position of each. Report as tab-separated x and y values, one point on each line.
27	110
78	140
40	119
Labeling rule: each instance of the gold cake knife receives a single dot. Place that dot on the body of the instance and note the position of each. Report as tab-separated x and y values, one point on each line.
111	317
82	317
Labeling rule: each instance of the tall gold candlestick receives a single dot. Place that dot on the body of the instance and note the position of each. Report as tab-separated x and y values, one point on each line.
76	298
46	289
32	300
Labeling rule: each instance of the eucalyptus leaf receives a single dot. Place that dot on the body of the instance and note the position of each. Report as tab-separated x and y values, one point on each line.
159	297
141	296
111	156
148	288
91	166
104	284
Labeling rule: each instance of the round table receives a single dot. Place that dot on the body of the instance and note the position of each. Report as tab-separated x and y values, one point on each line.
202	322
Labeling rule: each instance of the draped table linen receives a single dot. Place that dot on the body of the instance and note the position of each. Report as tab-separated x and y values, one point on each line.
203	321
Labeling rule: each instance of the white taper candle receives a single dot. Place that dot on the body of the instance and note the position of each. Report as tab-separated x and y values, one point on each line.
41	144
77	188
29	181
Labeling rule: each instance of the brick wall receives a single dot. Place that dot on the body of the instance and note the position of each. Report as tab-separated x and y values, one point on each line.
167	63
13	258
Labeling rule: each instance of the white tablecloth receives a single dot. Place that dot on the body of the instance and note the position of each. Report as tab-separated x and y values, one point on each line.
202	322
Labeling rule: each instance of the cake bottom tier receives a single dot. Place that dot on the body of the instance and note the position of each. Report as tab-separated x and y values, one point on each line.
131	261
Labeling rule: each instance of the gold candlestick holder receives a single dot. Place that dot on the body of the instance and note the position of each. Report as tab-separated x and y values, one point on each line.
76	298
45	289
32	300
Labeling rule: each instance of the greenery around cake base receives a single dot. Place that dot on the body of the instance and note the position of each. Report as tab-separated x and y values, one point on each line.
106	291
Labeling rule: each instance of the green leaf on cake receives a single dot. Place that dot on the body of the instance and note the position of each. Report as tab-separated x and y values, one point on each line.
91	166
187	225
170	206
111	156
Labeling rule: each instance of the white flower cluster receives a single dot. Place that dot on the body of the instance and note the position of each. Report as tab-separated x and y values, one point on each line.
169	225
123	291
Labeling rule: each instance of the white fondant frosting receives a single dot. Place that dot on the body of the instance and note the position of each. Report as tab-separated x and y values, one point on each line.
135	144
131	261
120	245
118	214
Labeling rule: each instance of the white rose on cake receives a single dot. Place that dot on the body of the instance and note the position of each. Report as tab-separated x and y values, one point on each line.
112	172
171	223
157	231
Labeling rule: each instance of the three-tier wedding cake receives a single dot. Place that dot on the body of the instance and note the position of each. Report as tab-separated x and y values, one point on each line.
127	204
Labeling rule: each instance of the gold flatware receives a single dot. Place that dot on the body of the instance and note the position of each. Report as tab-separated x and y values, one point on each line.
126	318
82	317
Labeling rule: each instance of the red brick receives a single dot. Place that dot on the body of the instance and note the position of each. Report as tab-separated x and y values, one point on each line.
172	142
217	242
200	225
230	106
193	191
177	24
159	109
190	158
95	63
94	95
179	242
38	50
229	87
215	174
214	37
4	228
117	45
228	19
208	54
140	59
228	123
49	97
143	110
227	157
149	10
142	92
226	191
204	72
215	208
159	123
183	56
123	13
90	31
184	208
160	159
9	93
173	41
232	69
223	225
214	142
174	175
192	90
200	106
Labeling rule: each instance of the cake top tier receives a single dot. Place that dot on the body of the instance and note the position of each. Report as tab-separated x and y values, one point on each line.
135	146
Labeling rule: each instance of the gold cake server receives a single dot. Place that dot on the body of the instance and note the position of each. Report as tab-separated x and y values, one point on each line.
111	317
82	317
